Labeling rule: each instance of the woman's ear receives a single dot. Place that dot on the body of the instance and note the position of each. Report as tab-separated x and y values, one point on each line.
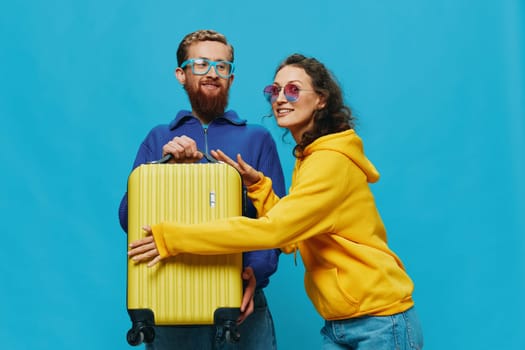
321	103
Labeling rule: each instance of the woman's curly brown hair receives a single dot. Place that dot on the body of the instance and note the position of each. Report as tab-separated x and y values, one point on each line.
335	116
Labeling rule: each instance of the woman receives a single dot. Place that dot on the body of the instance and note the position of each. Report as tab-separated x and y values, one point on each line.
357	284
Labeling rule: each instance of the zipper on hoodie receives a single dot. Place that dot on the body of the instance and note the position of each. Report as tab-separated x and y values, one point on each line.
205	127
244	190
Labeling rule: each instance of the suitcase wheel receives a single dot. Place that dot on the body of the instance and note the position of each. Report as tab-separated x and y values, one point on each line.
232	335
228	332
140	334
142	322
226	324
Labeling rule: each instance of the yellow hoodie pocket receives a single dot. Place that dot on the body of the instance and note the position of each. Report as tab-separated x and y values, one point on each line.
330	300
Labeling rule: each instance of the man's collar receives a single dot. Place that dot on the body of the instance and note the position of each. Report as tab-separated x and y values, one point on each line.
230	116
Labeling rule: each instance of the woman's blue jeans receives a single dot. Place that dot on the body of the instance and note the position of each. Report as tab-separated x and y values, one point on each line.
401	331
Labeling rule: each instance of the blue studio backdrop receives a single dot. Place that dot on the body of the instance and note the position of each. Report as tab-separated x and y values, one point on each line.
438	88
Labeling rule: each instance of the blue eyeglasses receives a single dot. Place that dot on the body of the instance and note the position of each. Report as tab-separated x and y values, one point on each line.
201	66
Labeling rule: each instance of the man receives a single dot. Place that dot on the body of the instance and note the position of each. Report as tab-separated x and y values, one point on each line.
205	70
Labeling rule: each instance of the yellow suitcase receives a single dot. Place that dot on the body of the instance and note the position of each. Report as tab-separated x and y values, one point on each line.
186	289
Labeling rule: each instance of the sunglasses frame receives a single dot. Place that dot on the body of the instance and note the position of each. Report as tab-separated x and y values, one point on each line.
271	96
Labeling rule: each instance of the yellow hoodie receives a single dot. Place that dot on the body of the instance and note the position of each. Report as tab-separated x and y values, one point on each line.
330	215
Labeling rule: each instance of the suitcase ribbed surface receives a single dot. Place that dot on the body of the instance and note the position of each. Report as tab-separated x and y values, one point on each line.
185	289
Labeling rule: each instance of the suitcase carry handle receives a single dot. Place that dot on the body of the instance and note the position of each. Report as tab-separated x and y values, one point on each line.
168	156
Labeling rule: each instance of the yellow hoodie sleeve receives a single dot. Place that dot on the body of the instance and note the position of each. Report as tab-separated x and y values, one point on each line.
262	195
319	183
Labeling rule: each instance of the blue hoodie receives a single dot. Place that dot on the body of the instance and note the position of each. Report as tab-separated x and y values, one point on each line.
232	135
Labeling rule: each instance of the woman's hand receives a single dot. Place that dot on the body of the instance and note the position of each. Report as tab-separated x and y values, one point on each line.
249	175
144	249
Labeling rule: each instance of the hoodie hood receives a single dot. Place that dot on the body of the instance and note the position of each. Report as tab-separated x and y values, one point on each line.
348	143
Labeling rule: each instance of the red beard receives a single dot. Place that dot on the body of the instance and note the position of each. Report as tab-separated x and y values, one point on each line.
206	106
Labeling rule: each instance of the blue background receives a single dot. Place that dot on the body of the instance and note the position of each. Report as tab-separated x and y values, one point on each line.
438	87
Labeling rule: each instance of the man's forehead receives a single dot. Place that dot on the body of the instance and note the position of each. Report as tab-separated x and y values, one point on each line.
213	50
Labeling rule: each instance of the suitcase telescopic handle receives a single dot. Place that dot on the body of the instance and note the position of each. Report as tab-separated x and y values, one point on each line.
168	156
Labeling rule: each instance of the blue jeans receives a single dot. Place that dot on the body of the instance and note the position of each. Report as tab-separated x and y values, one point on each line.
401	331
257	333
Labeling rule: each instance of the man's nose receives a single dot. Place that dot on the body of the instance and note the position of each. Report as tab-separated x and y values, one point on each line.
213	72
